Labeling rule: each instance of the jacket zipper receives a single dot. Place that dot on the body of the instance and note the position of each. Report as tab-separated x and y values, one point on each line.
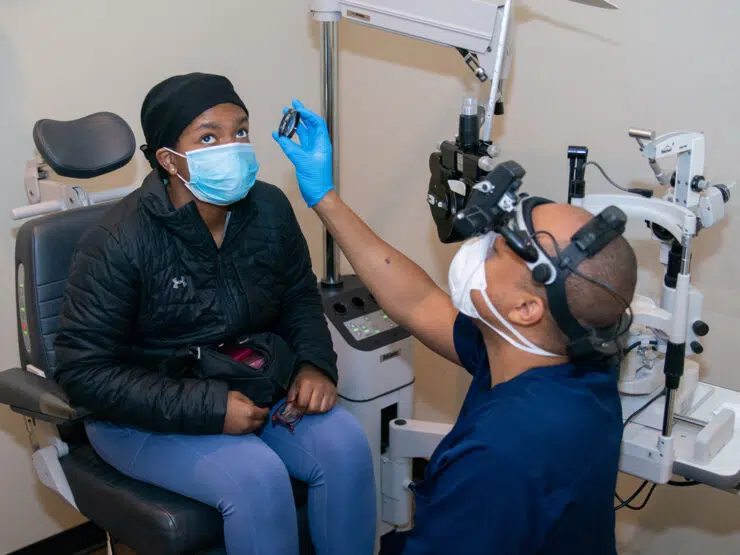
227	299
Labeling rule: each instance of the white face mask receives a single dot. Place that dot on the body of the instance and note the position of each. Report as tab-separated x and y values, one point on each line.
468	274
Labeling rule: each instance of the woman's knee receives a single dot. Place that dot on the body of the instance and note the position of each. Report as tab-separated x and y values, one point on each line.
341	435
225	472
258	467
257	478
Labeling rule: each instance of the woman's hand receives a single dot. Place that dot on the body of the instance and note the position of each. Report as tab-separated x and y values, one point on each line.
312	158
312	391
242	415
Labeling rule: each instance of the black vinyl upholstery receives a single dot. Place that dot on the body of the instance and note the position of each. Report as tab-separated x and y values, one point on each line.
149	519
43	252
86	147
38	397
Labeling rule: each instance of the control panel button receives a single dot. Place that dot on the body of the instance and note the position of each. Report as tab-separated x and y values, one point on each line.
369	325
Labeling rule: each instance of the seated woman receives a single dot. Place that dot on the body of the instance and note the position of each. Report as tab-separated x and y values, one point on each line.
201	254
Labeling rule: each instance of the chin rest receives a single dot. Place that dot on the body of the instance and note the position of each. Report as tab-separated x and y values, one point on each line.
86	147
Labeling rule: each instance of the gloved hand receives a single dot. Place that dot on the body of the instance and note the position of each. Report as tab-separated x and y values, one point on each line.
312	158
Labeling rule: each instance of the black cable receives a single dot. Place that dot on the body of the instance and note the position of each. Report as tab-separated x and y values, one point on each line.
637	344
618	333
620	298
626	503
634	495
632	347
686	483
609	179
642	408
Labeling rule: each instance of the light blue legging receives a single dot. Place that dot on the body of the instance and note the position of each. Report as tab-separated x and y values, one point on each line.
246	479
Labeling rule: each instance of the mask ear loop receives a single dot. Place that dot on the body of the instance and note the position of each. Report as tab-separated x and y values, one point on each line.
524	344
181	156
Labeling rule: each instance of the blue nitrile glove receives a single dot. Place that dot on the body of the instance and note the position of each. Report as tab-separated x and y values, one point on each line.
312	158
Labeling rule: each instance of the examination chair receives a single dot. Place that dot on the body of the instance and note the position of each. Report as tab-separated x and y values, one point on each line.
150	520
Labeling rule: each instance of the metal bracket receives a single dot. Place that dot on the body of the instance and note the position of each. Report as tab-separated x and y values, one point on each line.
31	430
46	196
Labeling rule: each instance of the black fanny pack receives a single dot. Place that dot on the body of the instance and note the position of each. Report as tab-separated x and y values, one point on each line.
261	366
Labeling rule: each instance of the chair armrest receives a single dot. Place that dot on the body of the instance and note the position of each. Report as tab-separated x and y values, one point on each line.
41	398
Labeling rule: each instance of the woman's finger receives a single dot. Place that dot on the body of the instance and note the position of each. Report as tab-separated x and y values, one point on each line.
315	404
305	393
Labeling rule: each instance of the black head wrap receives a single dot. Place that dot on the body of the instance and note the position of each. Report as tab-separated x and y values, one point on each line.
174	103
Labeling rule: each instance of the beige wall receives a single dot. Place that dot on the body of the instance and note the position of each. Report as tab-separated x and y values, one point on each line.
580	76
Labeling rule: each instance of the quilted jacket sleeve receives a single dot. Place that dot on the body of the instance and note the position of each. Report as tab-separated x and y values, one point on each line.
98	313
302	320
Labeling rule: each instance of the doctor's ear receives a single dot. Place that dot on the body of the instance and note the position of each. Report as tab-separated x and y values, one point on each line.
167	160
528	310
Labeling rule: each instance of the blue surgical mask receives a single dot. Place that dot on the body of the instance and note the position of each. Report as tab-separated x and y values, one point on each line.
221	175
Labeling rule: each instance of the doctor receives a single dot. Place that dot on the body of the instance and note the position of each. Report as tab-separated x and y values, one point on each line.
530	466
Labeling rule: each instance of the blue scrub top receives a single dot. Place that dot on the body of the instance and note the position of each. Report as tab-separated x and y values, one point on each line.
530	466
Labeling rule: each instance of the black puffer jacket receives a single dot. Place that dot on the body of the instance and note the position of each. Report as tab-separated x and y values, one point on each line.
149	278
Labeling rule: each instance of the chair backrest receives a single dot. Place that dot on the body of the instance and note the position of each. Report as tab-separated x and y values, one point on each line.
43	253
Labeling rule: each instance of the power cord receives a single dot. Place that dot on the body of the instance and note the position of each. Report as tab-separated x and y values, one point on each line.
686	483
627	502
642	408
647	193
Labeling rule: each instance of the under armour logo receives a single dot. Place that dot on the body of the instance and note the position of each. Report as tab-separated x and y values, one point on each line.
178	282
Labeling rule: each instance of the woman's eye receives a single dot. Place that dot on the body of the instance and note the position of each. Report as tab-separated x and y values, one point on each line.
242	134
208	139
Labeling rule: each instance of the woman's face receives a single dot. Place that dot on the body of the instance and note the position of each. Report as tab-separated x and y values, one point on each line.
220	125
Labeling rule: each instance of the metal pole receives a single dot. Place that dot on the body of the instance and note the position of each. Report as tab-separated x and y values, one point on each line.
675	353
498	68
330	108
668	412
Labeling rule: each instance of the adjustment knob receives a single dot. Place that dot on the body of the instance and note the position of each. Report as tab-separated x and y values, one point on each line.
700	328
493	151
699	183
724	191
697	347
486	163
541	273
